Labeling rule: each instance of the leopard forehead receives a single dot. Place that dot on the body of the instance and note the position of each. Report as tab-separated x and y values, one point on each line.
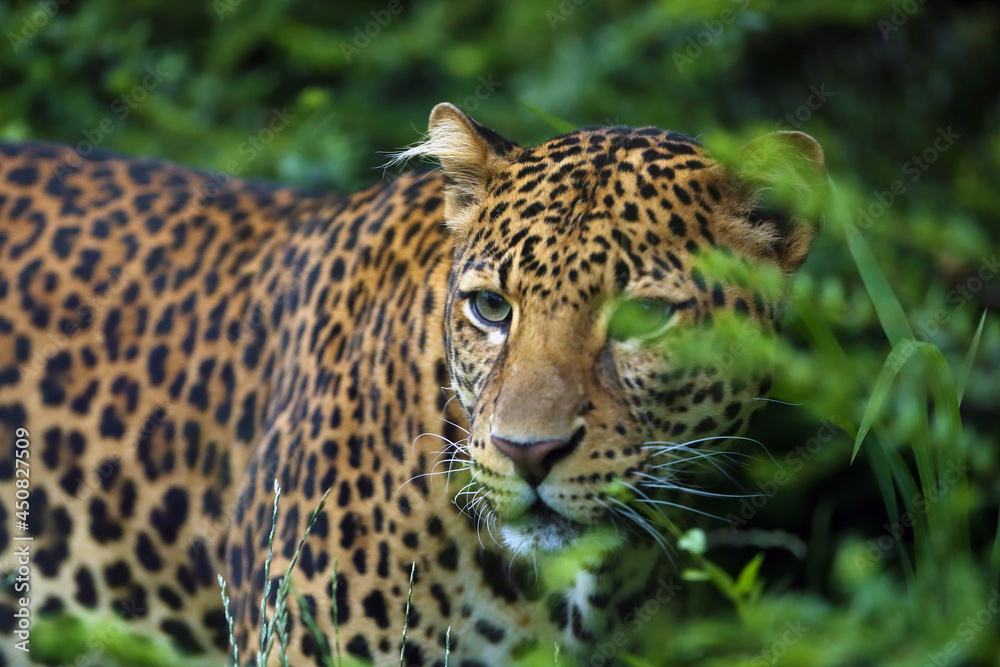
596	212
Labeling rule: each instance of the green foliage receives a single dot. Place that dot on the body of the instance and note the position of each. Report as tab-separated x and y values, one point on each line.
890	346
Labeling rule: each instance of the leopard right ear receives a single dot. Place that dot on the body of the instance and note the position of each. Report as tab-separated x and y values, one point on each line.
470	154
783	185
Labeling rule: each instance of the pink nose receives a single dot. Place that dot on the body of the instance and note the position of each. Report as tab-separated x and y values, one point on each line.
534	460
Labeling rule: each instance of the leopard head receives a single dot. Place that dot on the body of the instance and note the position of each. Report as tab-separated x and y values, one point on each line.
574	280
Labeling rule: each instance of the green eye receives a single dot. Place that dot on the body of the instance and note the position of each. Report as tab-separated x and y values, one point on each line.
639	318
491	308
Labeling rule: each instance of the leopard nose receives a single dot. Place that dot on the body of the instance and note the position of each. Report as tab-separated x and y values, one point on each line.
534	460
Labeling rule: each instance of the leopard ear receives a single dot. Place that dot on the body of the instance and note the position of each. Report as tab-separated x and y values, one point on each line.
782	180
470	154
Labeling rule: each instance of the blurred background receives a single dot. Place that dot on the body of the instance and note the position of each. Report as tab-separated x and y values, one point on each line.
903	95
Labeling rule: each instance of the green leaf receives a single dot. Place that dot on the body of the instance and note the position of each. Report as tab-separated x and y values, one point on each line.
935	446
901	353
693	541
557	123
746	583
890	313
966	370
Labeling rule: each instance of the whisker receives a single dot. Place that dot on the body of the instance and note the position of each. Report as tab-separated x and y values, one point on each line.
449	471
465	431
643	523
679	506
439	437
657	483
775	400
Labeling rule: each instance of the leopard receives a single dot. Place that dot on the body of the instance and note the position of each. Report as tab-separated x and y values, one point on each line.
404	399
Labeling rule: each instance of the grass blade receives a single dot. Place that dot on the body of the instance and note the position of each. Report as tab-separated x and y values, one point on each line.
557	123
229	621
322	644
336	625
281	602
406	616
901	353
936	446
966	370
995	559
890	313
265	640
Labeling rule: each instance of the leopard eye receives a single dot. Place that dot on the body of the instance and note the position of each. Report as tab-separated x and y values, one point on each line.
491	308
639	318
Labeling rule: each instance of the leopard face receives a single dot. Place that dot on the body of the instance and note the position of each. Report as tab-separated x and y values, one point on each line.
574	275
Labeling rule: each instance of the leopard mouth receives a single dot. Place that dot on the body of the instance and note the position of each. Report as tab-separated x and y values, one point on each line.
541	512
541	529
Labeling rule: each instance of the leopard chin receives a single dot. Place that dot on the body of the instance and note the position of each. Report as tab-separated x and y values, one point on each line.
542	530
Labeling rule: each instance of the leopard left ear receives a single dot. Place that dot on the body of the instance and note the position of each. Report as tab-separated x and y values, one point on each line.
783	182
470	154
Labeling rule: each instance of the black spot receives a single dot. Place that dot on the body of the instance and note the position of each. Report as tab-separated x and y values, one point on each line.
52	605
169	597
182	635
448	557
111	426
358	647
63	241
22	348
147	554
698	278
677	225
88	260
493	633
126	502
117	574
168	520
245	426
71	480
86	594
155	364
704	426
490	564
631	213
101	527
23	176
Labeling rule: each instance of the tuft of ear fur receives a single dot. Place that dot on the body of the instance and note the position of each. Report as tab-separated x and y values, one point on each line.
781	180
470	154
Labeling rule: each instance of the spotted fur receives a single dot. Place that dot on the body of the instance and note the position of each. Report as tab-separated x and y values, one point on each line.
174	345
